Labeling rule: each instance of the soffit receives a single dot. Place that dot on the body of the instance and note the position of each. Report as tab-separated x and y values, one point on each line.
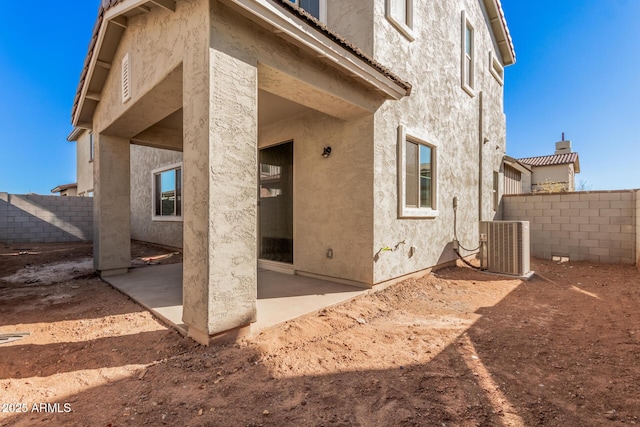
300	27
500	31
113	16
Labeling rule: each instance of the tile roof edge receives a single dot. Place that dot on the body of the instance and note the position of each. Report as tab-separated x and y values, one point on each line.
335	37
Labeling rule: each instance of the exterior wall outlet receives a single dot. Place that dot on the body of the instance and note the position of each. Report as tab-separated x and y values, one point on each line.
330	253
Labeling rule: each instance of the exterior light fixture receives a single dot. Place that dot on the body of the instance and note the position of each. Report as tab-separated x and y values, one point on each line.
326	152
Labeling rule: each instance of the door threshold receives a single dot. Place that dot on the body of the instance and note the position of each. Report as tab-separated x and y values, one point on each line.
280	267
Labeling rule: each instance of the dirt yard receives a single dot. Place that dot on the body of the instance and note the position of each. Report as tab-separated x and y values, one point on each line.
454	348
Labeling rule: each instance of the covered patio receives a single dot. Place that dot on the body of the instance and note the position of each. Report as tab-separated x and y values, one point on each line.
281	296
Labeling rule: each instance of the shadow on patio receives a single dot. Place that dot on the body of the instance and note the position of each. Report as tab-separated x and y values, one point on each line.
281	297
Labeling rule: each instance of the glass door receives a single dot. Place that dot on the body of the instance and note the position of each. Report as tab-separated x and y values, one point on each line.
275	189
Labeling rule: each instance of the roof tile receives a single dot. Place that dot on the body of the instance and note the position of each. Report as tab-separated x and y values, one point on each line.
555	159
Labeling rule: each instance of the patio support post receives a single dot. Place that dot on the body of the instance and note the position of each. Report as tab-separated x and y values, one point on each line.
220	175
111	205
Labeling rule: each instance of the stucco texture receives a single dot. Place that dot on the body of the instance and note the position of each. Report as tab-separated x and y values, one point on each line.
143	161
210	60
84	165
439	112
543	176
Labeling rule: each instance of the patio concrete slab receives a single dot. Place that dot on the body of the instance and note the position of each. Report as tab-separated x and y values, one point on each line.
281	297
157	288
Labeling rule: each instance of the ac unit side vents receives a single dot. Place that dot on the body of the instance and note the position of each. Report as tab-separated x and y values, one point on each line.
506	247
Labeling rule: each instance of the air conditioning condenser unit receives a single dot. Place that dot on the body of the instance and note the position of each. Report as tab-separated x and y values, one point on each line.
504	247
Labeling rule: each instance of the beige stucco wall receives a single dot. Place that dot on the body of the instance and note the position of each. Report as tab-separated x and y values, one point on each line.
143	161
84	165
69	192
156	45
562	174
438	111
190	58
333	201
353	21
172	53
333	197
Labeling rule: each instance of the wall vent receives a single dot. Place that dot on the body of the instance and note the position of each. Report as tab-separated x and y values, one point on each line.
126	79
505	247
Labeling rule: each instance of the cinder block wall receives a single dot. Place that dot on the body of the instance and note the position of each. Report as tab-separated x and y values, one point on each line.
600	226
33	218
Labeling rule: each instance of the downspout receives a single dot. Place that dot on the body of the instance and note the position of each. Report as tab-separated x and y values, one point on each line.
480	145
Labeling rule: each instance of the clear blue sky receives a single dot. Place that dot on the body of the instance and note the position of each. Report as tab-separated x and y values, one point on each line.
578	72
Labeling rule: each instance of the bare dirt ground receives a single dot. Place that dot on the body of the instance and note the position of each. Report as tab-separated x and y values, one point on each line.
454	348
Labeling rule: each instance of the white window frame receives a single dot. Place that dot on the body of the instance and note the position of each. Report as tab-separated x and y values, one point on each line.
467	74
322	6
169	218
405	28
496	68
405	211
92	147
495	191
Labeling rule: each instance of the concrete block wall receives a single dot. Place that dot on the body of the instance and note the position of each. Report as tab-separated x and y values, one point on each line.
599	226
33	218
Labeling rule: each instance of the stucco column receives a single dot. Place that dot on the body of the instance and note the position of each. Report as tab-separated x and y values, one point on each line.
111	205
220	214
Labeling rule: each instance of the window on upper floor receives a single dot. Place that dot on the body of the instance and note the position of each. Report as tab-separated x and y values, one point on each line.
496	68
468	56
317	8
400	14
417	177
167	193
495	191
91	146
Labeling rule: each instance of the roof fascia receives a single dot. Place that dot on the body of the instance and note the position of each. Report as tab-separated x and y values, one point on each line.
75	134
283	23
109	15
496	13
514	163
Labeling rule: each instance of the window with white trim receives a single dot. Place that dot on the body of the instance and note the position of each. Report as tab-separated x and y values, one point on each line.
317	8
417	176
495	190
468	56
400	14
496	68
167	193
91	147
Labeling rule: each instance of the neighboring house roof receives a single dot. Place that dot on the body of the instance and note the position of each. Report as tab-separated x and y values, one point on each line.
75	134
61	188
514	163
552	160
106	37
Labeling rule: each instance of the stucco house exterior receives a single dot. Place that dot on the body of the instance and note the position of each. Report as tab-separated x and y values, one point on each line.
517	176
85	150
303	136
66	189
556	172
